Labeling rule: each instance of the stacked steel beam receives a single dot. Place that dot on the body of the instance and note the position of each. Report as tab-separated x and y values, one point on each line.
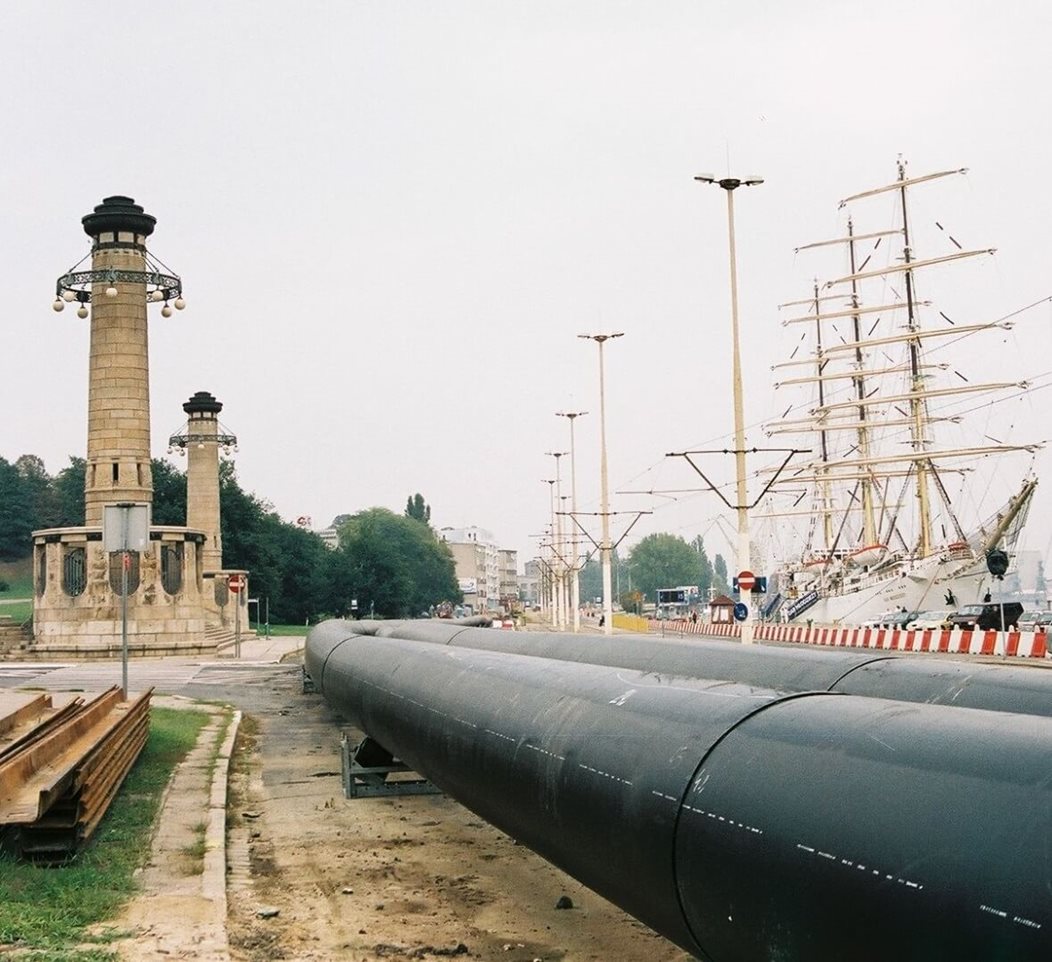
61	766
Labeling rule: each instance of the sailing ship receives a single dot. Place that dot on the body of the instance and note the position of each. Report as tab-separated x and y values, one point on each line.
880	532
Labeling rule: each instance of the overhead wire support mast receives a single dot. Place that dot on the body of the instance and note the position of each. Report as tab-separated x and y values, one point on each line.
594	514
729	185
605	550
788	452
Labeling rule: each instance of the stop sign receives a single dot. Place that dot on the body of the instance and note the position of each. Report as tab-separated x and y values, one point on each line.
234	583
746	580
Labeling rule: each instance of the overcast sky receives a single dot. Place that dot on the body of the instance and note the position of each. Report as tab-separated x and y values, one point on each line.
392	219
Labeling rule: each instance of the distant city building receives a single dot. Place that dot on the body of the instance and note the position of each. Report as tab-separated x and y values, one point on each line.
530	583
477	559
330	537
508	561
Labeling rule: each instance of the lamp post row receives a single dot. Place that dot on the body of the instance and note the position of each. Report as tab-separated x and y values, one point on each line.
729	185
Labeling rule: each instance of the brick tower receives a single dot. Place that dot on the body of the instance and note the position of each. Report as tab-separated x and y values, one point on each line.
78	579
118	462
201	441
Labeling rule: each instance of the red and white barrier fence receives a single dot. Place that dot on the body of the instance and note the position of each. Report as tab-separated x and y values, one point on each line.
955	641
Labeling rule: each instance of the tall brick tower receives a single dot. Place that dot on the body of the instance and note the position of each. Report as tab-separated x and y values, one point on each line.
118	467
79	605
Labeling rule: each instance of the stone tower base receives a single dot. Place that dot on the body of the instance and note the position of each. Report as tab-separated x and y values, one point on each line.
77	610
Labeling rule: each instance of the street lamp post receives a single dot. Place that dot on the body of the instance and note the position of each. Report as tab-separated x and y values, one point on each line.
575	576
552	585
730	184
604	500
557	538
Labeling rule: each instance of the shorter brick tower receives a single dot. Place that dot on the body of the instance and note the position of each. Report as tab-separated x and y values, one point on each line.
202	439
202	442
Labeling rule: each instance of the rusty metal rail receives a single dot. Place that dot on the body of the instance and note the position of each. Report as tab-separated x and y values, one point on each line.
23	718
58	778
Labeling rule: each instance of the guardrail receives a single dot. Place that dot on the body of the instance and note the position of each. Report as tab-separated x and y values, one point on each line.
953	641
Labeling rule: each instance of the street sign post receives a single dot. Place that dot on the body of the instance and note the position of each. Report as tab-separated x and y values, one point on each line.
235	583
125	528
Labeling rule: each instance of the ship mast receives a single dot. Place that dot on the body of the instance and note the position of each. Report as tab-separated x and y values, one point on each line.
869	530
820	363
918	407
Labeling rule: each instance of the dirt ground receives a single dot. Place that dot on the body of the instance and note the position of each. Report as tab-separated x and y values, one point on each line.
390	878
314	876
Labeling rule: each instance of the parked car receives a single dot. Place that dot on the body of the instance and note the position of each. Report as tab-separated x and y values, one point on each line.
896	618
932	619
987	616
1034	620
966	617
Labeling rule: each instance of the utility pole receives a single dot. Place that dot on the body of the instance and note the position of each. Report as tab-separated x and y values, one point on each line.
729	185
575	576
604	499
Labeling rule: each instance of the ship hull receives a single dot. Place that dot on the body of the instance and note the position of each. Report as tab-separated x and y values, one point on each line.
915	586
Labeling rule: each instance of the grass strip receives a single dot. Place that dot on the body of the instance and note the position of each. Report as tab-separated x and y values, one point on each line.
18	611
45	911
282	631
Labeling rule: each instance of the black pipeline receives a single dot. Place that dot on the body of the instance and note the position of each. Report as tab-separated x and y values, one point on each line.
934	680
740	823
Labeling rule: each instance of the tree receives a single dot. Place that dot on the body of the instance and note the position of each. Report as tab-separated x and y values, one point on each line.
416	507
288	565
719	576
393	566
705	573
39	489
662	561
69	494
591	583
169	493
16	513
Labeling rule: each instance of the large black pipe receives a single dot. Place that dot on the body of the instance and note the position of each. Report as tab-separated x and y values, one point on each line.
740	823
935	679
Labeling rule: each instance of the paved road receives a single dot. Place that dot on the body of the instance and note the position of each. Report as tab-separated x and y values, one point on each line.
250	682
166	676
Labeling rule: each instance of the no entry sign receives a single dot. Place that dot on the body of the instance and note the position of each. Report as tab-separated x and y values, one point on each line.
746	580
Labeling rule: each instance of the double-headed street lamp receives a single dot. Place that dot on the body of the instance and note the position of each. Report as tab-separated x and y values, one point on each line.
604	500
575	576
730	185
